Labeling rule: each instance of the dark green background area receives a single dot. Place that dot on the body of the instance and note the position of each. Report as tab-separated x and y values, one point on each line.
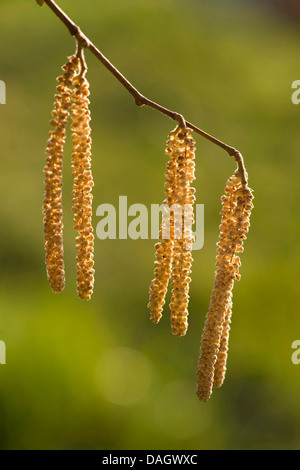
99	374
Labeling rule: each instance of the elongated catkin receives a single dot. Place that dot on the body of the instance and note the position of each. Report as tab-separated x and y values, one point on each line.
53	223
183	239
236	208
164	248
82	188
173	252
242	223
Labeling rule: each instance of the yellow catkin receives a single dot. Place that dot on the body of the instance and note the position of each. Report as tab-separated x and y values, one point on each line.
236	208
184	150
164	248
173	254
53	223
242	223
82	188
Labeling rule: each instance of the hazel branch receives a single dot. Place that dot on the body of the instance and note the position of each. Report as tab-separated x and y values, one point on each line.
141	100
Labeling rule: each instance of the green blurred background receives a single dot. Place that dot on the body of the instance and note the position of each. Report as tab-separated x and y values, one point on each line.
100	375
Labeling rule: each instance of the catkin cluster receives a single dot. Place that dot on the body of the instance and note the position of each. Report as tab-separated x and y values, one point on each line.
72	95
173	251
53	223
82	188
236	209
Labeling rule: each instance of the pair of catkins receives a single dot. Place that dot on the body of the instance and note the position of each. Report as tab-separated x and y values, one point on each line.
71	98
174	248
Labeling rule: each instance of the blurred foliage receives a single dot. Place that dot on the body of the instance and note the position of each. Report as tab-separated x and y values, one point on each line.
99	375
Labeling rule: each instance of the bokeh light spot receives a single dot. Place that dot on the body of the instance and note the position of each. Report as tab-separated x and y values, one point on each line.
124	375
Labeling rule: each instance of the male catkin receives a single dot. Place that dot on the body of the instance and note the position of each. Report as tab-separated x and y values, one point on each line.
173	251
164	248
53	223
83	184
184	150
242	212
236	209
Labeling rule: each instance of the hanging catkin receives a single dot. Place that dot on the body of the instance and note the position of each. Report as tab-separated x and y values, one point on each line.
53	223
173	251
241	226
183	237
83	184
164	248
236	208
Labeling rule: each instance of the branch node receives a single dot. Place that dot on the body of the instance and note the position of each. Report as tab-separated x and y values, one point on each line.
74	30
241	167
180	119
139	100
81	38
232	152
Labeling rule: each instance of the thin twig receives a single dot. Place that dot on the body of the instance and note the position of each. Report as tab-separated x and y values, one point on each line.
140	99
